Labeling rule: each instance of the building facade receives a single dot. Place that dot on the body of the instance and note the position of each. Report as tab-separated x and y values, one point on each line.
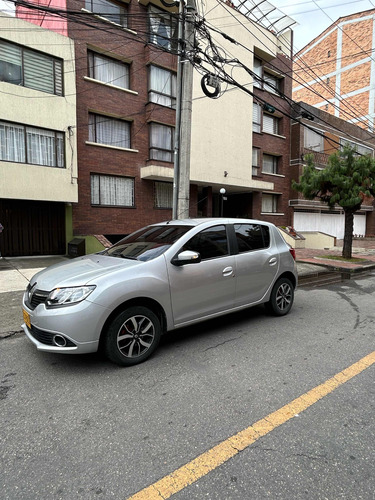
126	67
38	150
321	134
335	72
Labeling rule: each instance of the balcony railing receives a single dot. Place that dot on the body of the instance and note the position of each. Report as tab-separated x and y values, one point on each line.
320	159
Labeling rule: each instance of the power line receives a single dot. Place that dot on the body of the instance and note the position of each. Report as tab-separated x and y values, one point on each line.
354	115
229	80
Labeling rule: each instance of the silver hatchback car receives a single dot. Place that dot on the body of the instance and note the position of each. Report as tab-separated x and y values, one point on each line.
162	277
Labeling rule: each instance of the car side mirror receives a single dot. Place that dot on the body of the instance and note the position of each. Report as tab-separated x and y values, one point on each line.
186	257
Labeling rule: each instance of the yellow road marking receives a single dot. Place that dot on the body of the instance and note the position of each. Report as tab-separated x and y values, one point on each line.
221	453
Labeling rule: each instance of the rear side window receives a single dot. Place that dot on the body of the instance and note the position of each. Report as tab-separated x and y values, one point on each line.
251	237
210	243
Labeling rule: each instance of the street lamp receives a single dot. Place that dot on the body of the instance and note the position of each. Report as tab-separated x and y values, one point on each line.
222	192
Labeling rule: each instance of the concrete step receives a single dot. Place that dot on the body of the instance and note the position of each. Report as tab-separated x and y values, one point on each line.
320	278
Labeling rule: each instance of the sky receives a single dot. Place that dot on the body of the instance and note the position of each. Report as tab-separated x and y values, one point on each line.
314	16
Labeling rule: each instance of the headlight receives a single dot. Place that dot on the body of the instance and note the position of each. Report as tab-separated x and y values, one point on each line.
69	296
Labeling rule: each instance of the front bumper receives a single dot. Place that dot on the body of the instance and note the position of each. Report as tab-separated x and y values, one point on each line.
79	325
77	348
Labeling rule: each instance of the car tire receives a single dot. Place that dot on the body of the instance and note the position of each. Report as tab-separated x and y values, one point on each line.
132	336
282	297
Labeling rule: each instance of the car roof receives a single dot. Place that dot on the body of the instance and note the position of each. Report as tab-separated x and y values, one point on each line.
211	220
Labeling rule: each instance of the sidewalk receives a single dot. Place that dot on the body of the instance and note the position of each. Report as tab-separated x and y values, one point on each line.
15	274
313	269
361	249
326	270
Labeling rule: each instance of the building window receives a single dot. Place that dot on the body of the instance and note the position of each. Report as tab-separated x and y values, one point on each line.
272	83
161	142
258	72
257	117
271	124
269	203
256	156
360	149
270	164
163	28
314	140
110	131
30	69
162	87
114	12
36	146
109	190
108	70
163	194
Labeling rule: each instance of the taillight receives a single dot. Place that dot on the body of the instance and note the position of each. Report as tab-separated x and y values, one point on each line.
293	252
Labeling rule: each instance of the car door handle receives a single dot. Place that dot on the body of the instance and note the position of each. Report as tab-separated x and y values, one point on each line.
272	261
228	271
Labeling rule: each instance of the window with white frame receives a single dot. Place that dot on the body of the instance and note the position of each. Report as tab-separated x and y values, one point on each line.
162	86
109	131
269	203
257	69
270	164
29	68
272	83
359	148
163	194
161	142
116	12
257	117
108	70
163	28
256	156
314	140
36	146
271	124
110	190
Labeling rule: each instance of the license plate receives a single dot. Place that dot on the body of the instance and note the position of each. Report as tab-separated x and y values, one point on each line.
26	318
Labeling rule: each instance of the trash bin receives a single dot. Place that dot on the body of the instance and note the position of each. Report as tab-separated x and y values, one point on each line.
76	247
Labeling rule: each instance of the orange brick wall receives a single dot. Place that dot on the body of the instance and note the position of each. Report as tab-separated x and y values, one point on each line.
356	38
355	78
319	58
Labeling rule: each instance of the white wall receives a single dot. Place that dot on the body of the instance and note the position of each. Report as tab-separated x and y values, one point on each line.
222	127
332	224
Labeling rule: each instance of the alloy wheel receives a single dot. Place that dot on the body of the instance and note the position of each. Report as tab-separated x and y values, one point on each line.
284	296
135	336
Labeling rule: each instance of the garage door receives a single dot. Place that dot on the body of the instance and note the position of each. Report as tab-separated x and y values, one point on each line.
332	224
32	228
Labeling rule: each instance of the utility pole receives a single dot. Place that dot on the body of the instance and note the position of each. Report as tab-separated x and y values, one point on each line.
181	180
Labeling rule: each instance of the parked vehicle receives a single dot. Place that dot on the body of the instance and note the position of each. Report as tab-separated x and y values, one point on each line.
162	277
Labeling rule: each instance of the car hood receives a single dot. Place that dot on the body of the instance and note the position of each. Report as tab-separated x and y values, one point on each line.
80	271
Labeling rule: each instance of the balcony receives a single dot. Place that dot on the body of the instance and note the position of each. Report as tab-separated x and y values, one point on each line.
320	159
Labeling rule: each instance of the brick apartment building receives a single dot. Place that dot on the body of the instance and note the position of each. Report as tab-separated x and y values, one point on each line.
125	110
271	139
335	72
321	134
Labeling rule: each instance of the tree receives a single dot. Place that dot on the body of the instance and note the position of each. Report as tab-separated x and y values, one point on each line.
346	181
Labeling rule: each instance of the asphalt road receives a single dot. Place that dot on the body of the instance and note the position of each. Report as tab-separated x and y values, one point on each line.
79	427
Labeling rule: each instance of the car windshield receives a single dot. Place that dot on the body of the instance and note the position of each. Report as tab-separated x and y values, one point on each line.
147	243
